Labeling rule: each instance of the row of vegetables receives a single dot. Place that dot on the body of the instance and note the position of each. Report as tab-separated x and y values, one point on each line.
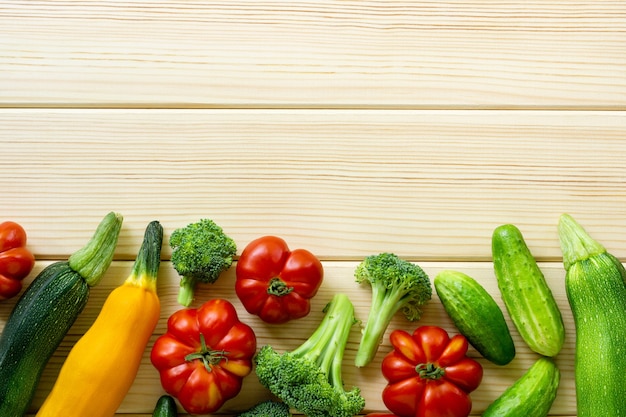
206	352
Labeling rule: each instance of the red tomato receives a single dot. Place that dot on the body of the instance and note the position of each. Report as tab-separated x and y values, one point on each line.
429	374
204	356
16	261
275	283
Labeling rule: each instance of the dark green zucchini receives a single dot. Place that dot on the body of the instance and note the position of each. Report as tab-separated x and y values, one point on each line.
165	407
45	312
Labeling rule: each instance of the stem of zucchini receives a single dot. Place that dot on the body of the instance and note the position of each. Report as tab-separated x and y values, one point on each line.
146	266
92	261
576	244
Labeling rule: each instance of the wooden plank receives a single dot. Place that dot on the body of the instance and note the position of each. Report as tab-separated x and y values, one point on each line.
326	53
338	278
428	185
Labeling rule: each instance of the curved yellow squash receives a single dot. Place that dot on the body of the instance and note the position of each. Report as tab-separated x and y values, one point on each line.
102	365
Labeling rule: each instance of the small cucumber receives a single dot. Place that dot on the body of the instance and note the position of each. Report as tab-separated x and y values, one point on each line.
165	407
476	314
525	292
531	395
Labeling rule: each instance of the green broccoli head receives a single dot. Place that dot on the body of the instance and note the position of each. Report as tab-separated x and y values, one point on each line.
396	284
201	251
268	408
308	378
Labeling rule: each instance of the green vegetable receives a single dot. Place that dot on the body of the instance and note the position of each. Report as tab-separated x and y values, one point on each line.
165	407
268	408
45	312
396	284
477	315
594	283
525	292
308	378
532	394
201	251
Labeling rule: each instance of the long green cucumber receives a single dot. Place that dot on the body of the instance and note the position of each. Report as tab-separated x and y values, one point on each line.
525	292
594	283
165	407
476	314
45	312
532	395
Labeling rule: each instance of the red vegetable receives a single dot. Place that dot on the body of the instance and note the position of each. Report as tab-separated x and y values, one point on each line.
429	374
16	261
204	356
275	283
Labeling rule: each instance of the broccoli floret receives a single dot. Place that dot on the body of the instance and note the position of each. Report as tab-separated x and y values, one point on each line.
268	408
396	284
201	251
309	378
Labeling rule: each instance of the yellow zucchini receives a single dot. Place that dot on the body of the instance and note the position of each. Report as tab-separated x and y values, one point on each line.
102	365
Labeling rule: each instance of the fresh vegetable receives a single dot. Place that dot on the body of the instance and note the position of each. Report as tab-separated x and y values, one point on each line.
275	283
268	408
429	374
45	312
476	314
102	365
525	292
309	378
594	283
396	284
204	355
165	407
16	261
201	251
531	395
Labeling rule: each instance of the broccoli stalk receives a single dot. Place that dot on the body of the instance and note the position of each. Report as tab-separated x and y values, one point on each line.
268	408
308	378
396	284
201	251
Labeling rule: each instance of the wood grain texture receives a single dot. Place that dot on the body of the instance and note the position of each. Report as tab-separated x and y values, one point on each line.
428	185
338	278
417	54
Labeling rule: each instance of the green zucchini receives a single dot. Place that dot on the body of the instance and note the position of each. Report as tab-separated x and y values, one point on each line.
45	312
477	315
525	292
165	407
594	283
531	395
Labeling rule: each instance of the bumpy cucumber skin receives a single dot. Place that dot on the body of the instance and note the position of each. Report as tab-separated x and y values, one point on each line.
525	292
531	395
41	318
477	315
165	407
597	296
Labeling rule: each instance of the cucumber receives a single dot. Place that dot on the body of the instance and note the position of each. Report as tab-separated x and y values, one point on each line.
45	312
594	283
477	315
165	407
525	292
531	395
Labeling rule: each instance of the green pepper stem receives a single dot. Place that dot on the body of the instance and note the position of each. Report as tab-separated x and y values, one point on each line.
278	287
209	357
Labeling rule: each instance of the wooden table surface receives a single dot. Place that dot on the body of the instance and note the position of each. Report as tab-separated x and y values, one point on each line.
348	128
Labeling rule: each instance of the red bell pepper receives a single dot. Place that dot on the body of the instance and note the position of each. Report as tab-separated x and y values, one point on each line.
16	261
204	355
275	283
429	374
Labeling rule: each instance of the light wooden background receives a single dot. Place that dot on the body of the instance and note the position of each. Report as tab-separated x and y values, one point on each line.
346	127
